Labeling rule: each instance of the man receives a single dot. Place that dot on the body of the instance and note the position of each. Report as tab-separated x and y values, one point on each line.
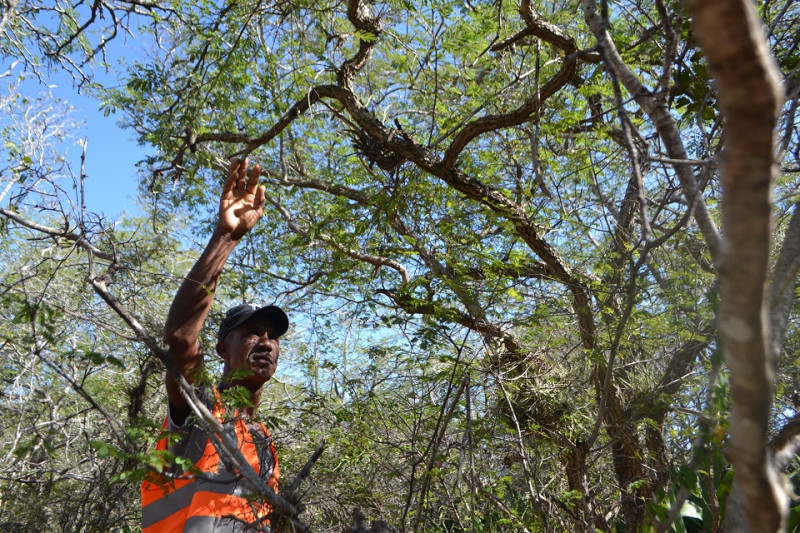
202	493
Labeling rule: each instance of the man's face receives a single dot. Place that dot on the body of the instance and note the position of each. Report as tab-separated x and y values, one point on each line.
251	352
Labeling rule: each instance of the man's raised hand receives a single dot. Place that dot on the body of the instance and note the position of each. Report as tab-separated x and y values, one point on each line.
242	201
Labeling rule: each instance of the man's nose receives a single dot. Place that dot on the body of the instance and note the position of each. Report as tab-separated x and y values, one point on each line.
265	342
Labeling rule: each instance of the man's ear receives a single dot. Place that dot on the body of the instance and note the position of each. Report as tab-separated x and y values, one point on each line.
222	350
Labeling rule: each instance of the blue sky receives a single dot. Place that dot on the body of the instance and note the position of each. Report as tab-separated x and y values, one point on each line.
111	153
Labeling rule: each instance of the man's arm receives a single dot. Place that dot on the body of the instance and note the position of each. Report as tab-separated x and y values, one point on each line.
241	206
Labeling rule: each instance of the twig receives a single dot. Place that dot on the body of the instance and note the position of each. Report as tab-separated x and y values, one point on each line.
77	238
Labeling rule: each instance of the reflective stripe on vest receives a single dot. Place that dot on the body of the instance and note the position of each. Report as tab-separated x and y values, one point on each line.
215	499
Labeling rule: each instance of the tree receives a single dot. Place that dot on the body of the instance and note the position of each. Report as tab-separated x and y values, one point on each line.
518	209
68	396
750	96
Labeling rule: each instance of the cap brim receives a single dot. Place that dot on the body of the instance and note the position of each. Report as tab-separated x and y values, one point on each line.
275	316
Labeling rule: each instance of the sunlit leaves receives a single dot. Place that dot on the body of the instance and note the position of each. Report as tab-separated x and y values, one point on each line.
378	352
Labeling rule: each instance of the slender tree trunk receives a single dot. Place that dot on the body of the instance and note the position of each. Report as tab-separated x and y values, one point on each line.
750	96
576	467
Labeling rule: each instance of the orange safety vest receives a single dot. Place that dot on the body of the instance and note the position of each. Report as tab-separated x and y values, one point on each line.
190	502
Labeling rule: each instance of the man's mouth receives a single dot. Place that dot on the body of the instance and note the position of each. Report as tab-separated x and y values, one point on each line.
261	358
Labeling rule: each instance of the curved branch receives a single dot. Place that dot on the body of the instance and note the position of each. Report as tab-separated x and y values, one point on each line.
513	118
358	13
550	33
398	142
544	30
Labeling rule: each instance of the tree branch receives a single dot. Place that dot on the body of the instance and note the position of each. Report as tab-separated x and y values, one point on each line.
550	33
377	261
781	286
664	122
77	238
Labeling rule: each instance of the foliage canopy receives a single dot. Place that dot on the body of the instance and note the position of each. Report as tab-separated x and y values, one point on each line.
497	233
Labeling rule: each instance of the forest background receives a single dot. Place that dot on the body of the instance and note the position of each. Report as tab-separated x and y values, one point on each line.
541	258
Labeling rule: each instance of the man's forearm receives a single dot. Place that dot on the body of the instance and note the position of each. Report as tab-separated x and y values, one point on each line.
193	300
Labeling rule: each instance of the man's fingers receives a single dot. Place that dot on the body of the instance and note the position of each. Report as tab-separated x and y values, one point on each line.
241	176
252	179
238	170
242	168
261	197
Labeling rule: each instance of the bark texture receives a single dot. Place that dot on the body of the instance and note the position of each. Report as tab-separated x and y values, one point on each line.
750	96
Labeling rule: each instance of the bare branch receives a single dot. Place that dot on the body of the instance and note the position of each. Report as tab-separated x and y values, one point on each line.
663	121
77	238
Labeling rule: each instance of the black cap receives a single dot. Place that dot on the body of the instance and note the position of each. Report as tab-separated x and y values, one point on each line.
239	314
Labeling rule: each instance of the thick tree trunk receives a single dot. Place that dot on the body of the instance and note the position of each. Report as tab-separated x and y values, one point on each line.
750	96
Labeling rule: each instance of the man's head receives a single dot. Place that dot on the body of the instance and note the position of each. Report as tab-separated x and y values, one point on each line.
237	315
248	341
